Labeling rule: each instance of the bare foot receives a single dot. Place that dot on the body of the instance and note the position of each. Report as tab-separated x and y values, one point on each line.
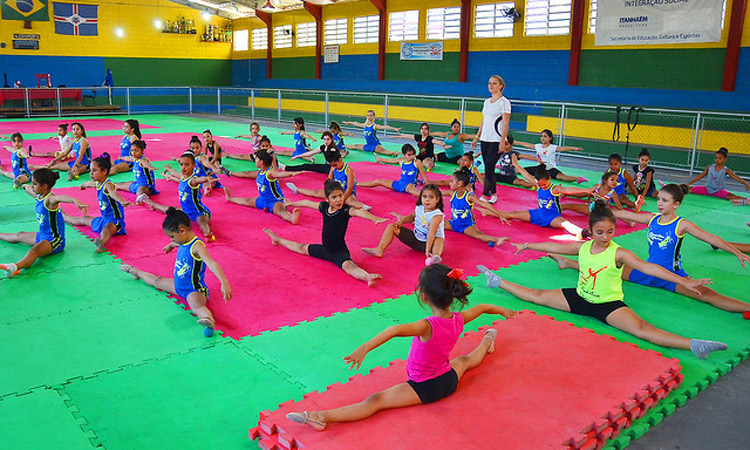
500	241
295	216
562	262
274	236
99	245
373	278
227	194
376	252
127	268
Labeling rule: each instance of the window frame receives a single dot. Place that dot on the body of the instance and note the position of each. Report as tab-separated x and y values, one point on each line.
264	39
337	24
310	34
278	31
403	31
496	8
449	30
371	21
556	8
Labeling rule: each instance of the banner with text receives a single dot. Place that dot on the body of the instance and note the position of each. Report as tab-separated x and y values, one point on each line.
635	22
427	51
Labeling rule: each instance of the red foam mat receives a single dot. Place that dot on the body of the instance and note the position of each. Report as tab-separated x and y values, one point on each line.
527	395
50	126
274	287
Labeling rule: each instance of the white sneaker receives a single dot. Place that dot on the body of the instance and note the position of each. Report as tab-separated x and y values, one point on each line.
366	207
492	200
282	167
292	187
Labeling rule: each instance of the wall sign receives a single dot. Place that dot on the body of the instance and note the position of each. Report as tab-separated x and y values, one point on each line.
25	44
637	22
330	54
426	51
26	36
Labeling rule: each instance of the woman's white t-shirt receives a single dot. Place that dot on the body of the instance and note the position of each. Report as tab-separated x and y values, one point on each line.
492	119
547	155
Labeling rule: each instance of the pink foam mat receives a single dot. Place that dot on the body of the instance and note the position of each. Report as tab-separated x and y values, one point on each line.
50	126
275	287
512	400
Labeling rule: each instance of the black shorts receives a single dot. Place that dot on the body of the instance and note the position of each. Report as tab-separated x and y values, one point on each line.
579	305
320	252
425	155
437	388
442	157
406	235
553	173
505	179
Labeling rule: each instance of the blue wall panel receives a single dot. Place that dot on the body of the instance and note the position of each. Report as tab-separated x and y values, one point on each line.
521	68
68	70
352	67
743	72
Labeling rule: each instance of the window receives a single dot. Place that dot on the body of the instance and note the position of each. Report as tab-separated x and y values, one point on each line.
306	34
444	23
403	26
547	17
260	38
282	36
493	21
366	29
241	40
595	7
336	31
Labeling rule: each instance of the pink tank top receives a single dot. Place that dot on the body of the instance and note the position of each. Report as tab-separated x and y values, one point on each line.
428	360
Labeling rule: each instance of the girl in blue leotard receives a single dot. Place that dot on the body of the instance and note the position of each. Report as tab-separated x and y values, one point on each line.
188	279
50	238
666	231
145	180
270	197
370	129
80	150
18	160
190	192
462	209
300	140
203	166
411	168
132	130
111	204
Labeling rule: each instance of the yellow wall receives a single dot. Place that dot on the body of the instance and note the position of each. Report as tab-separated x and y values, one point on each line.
141	39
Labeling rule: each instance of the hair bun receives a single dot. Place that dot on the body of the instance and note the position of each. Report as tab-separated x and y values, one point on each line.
55	176
105	155
171	210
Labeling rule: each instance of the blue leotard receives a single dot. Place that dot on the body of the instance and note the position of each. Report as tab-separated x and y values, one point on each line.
664	244
549	207
201	171
125	146
409	173
621	183
51	224
339	141
20	165
269	192
143	177
76	149
191	199
189	271
300	146
371	138
462	212
340	176
112	211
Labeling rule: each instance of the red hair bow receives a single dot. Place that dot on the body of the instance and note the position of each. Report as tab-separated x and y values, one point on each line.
456	274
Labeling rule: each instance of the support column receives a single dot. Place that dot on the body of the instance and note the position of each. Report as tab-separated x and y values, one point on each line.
732	59
382	35
317	12
463	62
266	18
576	34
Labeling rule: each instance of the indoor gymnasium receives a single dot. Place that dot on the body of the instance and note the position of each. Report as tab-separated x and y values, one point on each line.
349	224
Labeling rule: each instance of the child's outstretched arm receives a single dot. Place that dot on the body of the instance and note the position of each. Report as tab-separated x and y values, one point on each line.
567	248
388	127
634	216
127	158
431	234
526	145
312	152
87	184
202	253
694	230
699	177
419	328
380	159
573	191
490	208
304	203
146	164
485	308
112	191
54	200
172	174
628	258
361	213
274	174
731	173
561	148
286	132
356	124
307	136
442	134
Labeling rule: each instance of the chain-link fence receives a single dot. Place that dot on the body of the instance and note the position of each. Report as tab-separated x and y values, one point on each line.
677	139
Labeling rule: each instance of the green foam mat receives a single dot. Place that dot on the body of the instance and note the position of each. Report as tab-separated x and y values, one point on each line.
207	398
41	419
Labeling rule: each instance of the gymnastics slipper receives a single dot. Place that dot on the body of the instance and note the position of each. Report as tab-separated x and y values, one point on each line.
582	180
304	419
206	322
492	333
10	270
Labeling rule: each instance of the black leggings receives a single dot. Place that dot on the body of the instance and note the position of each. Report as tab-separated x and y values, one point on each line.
490	155
441	157
320	168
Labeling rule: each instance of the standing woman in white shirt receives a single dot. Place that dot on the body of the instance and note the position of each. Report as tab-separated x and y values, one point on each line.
492	131
546	153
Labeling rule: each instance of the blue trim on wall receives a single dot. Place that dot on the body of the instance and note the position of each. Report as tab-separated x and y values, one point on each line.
352	67
78	71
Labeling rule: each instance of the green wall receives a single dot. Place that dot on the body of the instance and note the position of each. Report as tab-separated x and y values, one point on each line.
170	72
445	70
302	67
694	69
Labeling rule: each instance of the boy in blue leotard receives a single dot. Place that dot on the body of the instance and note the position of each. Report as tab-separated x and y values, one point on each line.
411	168
188	280
111	204
370	130
270	197
21	173
50	238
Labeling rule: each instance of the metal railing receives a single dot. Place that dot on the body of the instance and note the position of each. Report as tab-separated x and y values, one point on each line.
678	139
